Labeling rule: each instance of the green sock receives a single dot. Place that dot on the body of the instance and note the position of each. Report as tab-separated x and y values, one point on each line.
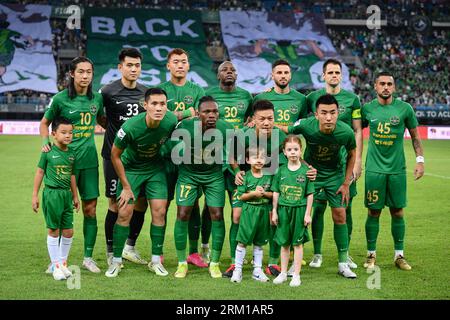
90	235
349	219
372	228
234	228
194	230
341	239
157	235
317	225
398	232
180	235
218	237
274	247
120	235
206	225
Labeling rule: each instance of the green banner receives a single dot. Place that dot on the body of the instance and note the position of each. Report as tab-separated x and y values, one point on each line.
155	33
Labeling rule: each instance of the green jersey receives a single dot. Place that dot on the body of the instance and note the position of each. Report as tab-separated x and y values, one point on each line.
387	125
180	98
349	104
293	186
273	147
142	144
234	106
58	166
250	184
323	150
289	107
208	157
83	114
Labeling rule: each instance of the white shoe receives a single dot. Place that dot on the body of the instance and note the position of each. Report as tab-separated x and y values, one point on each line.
282	277
158	268
351	263
291	271
316	262
91	265
113	270
58	274
237	276
344	270
49	269
65	270
133	256
295	282
259	275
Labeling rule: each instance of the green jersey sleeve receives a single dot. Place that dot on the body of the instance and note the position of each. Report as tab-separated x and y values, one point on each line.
356	109
53	109
43	161
297	128
310	188
351	142
276	182
411	119
243	188
101	109
122	138
200	94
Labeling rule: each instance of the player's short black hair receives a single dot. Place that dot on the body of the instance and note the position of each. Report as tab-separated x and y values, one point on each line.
130	52
331	61
326	99
383	74
178	52
261	105
280	62
152	91
206	99
59	121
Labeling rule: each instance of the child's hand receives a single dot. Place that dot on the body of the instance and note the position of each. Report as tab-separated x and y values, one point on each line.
307	220
35	203
274	219
76	204
259	192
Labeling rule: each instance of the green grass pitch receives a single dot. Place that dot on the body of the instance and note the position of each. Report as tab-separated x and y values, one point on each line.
24	258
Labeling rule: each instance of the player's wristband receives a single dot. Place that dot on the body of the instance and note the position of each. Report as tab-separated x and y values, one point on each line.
420	159
45	141
186	113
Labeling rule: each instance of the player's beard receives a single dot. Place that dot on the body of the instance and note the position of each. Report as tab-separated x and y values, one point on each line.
385	97
282	86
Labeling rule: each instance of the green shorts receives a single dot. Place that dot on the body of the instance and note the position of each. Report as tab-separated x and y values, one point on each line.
231	187
189	188
254	225
87	183
291	228
321	195
326	191
153	183
385	190
58	208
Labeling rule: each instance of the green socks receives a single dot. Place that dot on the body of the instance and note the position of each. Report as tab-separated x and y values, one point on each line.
218	237
372	229
234	228
120	235
349	220
206	225
341	239
194	230
398	232
90	235
317	225
157	235
180	235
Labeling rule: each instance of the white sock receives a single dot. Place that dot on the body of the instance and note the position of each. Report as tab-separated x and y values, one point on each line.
129	248
240	255
64	248
117	260
205	245
371	252
53	249
343	265
398	253
257	256
156	259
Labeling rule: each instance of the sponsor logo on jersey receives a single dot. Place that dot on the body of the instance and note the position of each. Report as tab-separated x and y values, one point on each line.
394	120
300	179
141	102
121	134
296	123
93	109
188	100
240	105
294	109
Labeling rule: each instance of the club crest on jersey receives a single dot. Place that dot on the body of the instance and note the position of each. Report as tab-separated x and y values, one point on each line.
141	102
394	120
341	109
188	99
240	105
300	179
266	186
93	109
294	109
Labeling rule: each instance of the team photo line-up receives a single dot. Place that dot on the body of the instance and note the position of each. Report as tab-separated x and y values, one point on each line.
176	141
